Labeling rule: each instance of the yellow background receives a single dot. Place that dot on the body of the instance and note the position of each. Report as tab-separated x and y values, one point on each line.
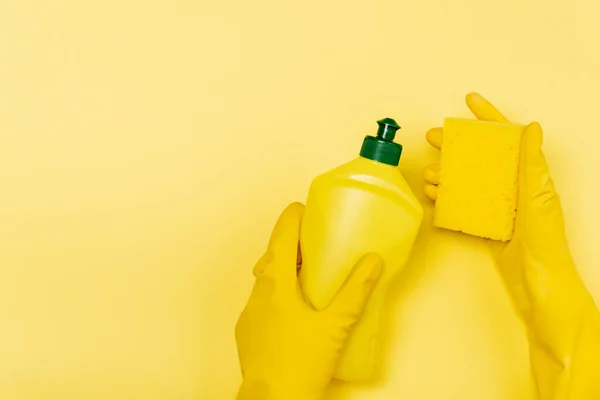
147	148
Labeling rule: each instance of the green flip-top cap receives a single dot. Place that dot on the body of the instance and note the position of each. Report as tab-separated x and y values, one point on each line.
382	148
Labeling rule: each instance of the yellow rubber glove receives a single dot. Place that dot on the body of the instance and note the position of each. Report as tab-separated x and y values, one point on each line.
287	350
563	323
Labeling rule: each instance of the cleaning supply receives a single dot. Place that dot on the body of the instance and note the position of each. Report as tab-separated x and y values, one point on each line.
360	207
479	168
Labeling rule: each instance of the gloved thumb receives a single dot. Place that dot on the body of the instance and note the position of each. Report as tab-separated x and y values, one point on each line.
353	295
540	221
534	176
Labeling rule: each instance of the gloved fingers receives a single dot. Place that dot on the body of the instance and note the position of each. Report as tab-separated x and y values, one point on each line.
261	264
283	245
483	109
535	181
352	296
431	192
431	173
434	137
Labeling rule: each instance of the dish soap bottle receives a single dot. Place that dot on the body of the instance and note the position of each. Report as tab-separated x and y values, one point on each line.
362	206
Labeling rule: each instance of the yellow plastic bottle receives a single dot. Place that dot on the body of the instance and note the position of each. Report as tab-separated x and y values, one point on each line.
362	206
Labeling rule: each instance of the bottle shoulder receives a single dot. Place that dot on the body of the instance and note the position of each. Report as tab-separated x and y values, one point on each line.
371	176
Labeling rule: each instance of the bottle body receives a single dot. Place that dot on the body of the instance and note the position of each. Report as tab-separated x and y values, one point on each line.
360	207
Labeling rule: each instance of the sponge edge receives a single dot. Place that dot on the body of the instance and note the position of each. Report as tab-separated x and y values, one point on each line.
477	192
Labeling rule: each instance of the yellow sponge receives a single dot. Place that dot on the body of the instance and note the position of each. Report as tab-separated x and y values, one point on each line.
477	192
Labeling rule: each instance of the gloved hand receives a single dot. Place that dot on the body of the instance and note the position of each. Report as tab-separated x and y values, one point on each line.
563	323
287	350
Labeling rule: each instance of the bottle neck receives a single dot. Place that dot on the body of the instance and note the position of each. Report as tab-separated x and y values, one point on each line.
381	150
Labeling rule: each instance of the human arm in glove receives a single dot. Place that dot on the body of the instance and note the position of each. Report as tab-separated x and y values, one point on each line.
287	350
563	323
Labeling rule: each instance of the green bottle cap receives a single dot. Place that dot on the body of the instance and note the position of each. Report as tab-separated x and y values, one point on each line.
382	148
